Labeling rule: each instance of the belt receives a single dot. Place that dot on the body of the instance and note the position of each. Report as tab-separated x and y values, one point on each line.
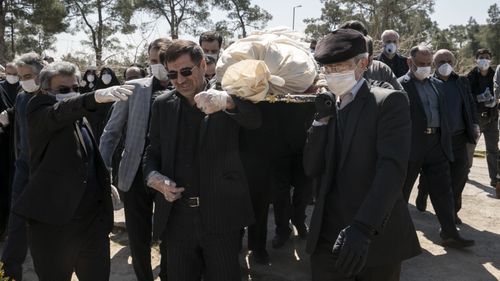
191	202
485	114
432	131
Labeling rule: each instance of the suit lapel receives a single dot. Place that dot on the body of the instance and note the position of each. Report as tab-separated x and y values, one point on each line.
172	127
414	96
352	121
330	157
80	137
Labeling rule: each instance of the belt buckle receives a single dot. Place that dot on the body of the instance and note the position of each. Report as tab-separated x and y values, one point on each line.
197	204
428	131
484	114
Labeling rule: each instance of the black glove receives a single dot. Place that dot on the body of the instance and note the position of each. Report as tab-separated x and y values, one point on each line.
325	105
351	248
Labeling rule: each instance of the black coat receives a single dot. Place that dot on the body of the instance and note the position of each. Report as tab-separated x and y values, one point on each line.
370	174
224	196
58	169
419	119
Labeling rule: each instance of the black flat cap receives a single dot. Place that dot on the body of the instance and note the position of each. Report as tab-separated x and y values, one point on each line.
340	45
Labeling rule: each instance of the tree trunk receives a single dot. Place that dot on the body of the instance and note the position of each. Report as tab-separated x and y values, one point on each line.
3	49
98	48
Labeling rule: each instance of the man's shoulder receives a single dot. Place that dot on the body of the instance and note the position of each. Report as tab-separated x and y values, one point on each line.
166	96
401	57
144	82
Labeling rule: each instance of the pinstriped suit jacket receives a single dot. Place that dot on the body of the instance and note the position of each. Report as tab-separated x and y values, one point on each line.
135	113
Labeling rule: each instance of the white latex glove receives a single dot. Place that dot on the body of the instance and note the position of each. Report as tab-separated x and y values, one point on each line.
115	198
165	186
211	101
4	118
115	93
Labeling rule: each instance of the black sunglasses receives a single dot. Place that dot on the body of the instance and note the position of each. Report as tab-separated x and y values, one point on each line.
65	90
185	72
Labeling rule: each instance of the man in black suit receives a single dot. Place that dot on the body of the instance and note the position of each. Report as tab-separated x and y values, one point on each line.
193	161
463	122
431	148
67	201
361	228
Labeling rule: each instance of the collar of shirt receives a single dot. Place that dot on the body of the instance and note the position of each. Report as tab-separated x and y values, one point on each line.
348	98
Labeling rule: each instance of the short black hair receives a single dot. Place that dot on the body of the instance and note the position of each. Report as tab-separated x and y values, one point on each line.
483	51
180	47
141	69
419	48
356	25
210	36
158	43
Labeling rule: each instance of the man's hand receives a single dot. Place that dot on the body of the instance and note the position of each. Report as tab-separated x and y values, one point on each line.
325	106
212	100
351	249
165	186
115	93
477	131
4	118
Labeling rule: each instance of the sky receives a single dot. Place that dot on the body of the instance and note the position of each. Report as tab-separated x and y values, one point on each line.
446	12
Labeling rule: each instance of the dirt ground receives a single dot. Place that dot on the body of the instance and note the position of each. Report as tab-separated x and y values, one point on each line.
480	214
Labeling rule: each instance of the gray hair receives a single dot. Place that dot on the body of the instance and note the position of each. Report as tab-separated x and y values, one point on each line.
387	32
56	68
32	60
422	48
359	57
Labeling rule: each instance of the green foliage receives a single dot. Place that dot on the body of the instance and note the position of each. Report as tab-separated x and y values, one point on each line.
29	25
242	14
102	20
188	15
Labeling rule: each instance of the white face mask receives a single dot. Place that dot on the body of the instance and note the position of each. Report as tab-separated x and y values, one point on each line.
483	64
159	72
62	97
391	48
214	56
29	86
90	78
445	70
422	72
12	79
106	78
341	83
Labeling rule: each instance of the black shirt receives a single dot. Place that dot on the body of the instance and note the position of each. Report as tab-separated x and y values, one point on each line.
455	105
93	194
398	64
187	162
478	84
332	220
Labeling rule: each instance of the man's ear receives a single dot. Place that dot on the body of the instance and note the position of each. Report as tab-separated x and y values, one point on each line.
408	61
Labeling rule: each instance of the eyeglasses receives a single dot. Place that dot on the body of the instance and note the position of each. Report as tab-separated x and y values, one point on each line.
65	90
185	72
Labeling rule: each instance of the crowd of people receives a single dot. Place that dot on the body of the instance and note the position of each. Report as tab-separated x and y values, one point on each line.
198	167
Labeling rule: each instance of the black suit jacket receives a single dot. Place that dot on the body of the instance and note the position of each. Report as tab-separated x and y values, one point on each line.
224	196
58	169
370	174
419	119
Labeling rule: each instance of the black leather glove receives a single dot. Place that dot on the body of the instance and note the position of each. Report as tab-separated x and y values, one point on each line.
351	248
325	105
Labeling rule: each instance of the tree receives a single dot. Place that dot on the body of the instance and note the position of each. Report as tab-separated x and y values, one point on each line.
186	14
492	38
27	25
331	16
242	14
473	31
409	17
102	19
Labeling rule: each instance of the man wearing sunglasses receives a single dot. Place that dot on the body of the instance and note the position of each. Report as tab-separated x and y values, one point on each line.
67	200
131	118
193	162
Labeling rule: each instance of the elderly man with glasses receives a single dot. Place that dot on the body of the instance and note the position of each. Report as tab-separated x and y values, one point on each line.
67	200
358	146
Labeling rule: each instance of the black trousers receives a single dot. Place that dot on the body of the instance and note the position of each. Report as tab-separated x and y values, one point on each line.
489	129
323	267
435	167
194	254
290	173
138	205
16	245
459	171
81	246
